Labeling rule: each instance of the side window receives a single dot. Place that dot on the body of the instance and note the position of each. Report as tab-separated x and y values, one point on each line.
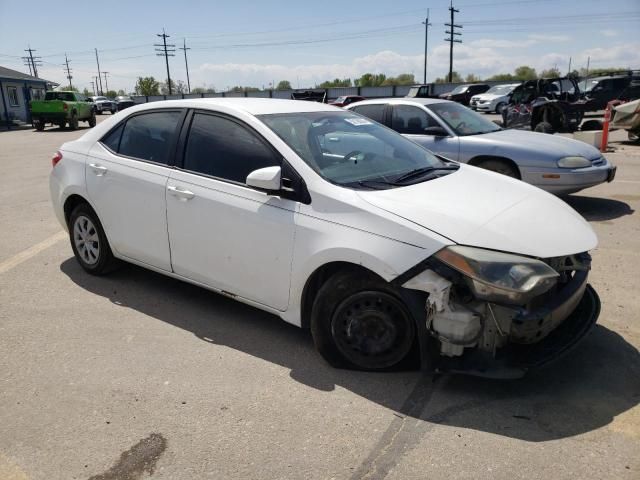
13	96
222	148
374	112
412	120
112	139
148	136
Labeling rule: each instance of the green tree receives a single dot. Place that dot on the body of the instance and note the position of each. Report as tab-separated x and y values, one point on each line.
525	73
371	80
198	90
550	73
402	79
472	78
121	93
147	86
501	77
86	92
335	83
68	88
455	78
111	94
283	85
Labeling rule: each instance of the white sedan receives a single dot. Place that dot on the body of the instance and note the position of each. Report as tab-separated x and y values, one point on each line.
386	252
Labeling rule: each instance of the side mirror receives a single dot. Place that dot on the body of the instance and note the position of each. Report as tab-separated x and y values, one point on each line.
268	179
436	131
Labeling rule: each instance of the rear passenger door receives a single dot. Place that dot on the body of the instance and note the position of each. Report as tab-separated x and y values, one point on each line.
223	233
126	175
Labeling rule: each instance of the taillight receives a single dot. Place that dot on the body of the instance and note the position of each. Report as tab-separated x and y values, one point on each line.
56	158
65	106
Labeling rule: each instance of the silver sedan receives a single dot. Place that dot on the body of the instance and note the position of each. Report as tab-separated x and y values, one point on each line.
554	163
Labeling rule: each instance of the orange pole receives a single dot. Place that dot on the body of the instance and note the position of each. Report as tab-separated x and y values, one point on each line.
605	128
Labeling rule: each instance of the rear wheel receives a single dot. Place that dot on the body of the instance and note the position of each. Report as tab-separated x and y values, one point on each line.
92	119
39	124
359	321
499	107
89	242
73	122
500	166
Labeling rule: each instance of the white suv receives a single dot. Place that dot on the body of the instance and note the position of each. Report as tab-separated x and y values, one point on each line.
335	223
494	99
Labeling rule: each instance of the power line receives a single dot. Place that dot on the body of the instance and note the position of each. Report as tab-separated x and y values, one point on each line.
35	61
426	40
186	65
452	32
69	77
166	51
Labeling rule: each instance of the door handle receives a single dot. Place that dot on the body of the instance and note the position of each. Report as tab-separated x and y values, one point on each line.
181	193
99	170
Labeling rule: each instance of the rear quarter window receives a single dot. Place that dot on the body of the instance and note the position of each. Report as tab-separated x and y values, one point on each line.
374	112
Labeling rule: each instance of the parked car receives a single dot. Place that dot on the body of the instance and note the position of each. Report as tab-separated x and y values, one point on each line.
463	93
494	99
346	100
61	108
545	105
422	91
335	223
103	104
123	102
556	164
599	91
627	116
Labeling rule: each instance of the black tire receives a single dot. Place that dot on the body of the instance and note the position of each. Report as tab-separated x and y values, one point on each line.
62	125
591	125
39	124
544	127
73	121
633	137
92	119
359	321
499	107
500	166
94	255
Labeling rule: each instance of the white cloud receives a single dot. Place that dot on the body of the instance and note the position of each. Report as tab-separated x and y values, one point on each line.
609	33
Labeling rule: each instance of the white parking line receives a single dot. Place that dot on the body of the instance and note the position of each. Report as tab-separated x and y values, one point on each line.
31	252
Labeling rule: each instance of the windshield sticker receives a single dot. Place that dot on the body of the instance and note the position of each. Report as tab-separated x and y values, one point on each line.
358	121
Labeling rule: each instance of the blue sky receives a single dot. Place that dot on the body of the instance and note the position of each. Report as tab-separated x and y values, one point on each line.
256	43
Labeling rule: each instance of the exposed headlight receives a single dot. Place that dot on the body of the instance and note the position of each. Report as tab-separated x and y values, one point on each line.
574	162
499	277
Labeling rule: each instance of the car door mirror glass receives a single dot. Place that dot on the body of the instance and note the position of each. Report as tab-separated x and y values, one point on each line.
436	131
268	179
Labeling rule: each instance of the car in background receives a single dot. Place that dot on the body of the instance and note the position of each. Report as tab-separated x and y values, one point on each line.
556	164
386	252
463	93
494	99
103	104
345	100
599	91
61	108
124	101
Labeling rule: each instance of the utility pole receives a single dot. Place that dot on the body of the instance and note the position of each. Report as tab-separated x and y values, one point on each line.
95	79
426	39
569	71
186	65
106	85
166	51
93	86
69	77
27	63
35	61
451	38
99	76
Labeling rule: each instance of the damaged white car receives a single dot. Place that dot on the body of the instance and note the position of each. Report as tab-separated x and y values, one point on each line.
388	253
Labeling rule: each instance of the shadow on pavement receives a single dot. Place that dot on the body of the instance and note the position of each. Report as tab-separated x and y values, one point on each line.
584	391
598	209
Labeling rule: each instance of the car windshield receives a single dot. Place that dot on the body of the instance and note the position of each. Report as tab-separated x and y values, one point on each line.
590	84
340	99
500	89
350	150
460	89
462	120
100	98
65	96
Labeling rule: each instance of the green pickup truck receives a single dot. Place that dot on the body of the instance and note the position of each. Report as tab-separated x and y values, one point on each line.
62	108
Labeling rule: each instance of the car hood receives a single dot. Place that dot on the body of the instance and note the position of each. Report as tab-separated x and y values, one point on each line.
543	144
484	209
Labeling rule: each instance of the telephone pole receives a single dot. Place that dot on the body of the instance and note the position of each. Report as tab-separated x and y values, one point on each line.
69	77
93	86
27	63
452	39
186	65
426	39
99	76
95	79
166	51
35	61
106	85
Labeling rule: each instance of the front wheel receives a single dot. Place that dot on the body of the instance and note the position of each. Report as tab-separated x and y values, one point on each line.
92	120
73	121
89	242
499	107
359	321
500	166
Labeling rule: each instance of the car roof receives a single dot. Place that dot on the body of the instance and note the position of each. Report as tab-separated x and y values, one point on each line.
252	106
401	101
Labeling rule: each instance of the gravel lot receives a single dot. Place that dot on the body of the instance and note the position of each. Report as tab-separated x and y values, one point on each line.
135	374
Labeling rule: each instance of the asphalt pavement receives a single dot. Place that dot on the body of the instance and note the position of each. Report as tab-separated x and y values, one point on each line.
135	375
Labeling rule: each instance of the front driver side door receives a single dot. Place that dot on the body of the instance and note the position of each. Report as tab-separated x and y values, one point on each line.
223	233
411	122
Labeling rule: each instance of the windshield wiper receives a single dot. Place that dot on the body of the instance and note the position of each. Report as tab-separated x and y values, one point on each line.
418	172
371	183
